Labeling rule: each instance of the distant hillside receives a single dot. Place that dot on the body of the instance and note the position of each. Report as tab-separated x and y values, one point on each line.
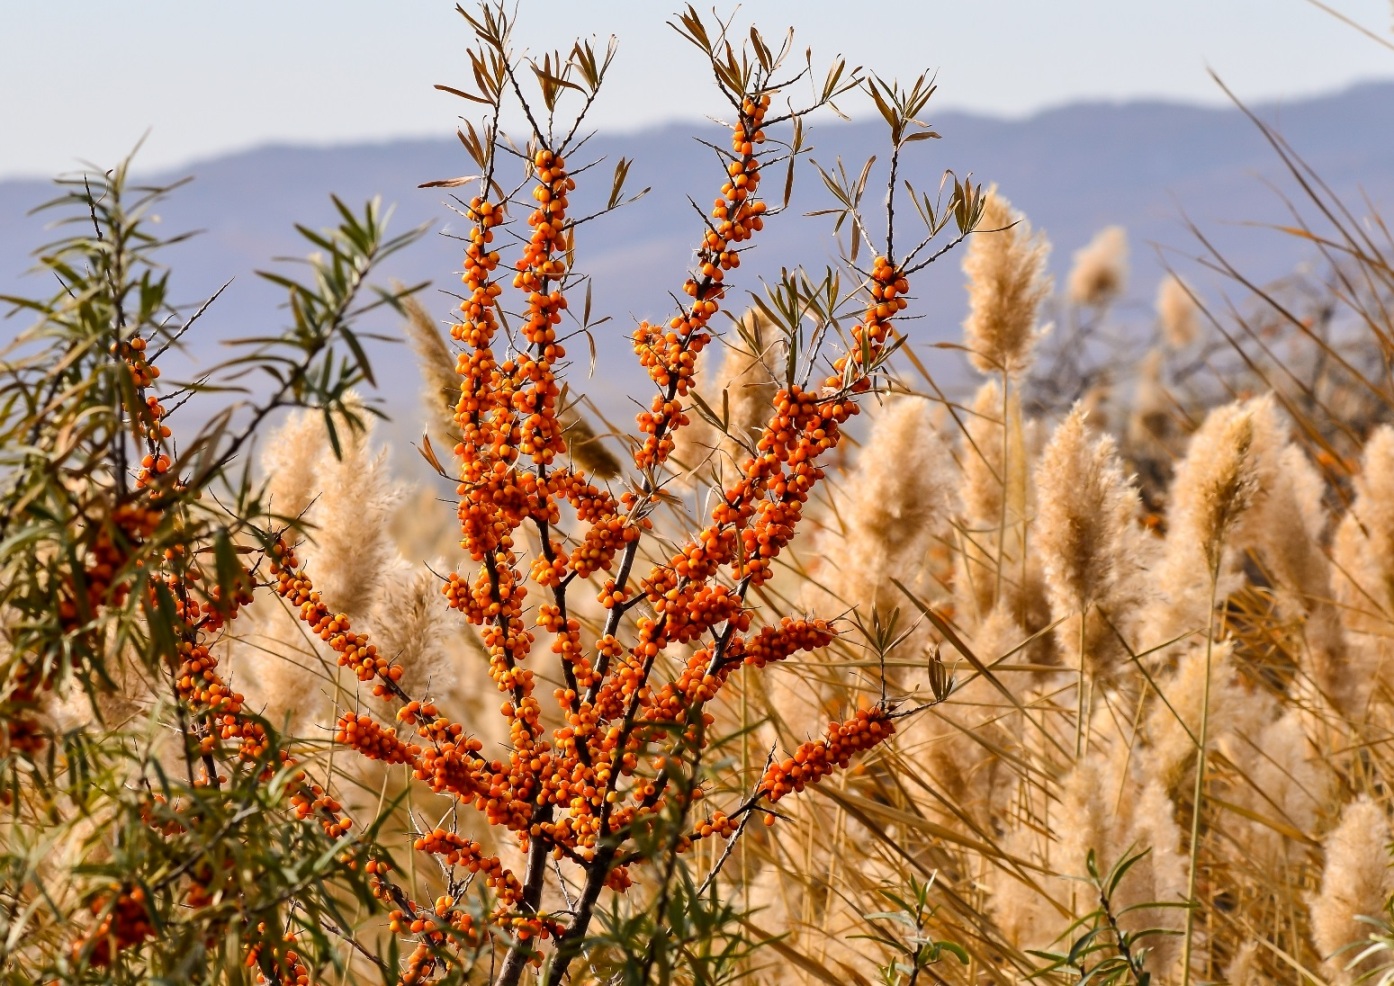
1143	165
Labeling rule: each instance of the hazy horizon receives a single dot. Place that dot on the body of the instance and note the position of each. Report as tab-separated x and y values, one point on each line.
206	81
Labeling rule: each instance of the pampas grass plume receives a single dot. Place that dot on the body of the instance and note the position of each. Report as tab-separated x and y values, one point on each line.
1177	313
587	450
288	461
1024	916
1244	968
904	480
351	553
982	457
1158	878
1087	800
1356	882
1364	541
748	380
1218	480
743	385
353	515
437	364
1174	726
1007	282
411	623
1086	505
1288	779
1100	271
901	494
1362	553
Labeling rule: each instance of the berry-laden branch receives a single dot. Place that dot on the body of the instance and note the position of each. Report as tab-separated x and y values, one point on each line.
621	752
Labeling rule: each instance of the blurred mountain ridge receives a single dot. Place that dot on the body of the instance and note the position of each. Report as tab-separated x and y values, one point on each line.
1151	167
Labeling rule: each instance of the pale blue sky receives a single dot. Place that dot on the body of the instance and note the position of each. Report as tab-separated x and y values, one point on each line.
81	79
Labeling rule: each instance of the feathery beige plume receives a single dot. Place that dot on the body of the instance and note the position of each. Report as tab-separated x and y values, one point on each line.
1289	783
982	456
695	443
1020	909
1087	819
747	378
1308	491
288	462
353	545
1088	542
992	566
898	498
1007	282
586	448
1218	481
1158	878
964	736
287	673
1285	529
1363	551
1177	313
993	493
441	390
1244	969
903	479
1173	726
426	524
1100	271
1086	508
743	387
411	624
1283	526
1214	486
1356	882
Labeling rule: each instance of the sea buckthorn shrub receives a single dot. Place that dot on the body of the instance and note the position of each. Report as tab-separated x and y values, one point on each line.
615	640
160	826
156	827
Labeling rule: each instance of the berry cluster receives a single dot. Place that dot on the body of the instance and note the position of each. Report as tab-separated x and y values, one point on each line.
113	544
456	850
147	418
482	384
720	824
449	761
117	561
535	389
774	644
373	741
288	969
816	759
132	352
431	928
311	801
888	288
671	356
123	921
104	582
354	650
222	710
